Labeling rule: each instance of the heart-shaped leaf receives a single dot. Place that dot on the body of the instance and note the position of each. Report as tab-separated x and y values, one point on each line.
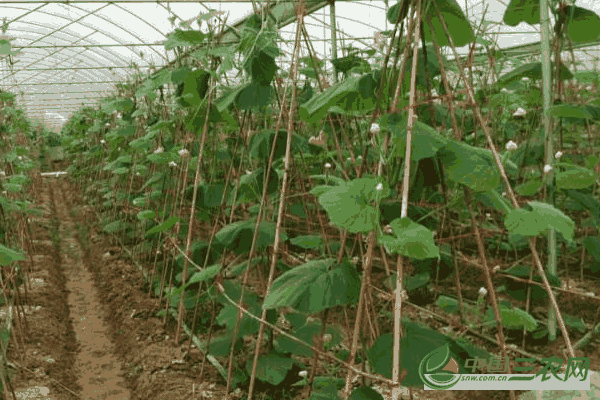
410	239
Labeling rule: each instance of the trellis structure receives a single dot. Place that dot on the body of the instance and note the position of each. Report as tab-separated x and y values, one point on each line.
63	54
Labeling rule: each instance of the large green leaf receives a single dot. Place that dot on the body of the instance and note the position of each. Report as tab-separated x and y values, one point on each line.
262	68
7	256
315	286
538	220
592	245
398	11
416	343
425	140
357	93
574	177
195	87
410	239
518	290
582	25
529	188
146	214
513	318
115	227
307	241
306	333
180	38
163	227
251	186
228	315
261	142
238	236
271	368
5	47
469	166
587	201
349	205
254	95
522	11
456	22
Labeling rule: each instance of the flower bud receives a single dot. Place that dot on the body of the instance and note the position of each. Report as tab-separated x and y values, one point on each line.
520	112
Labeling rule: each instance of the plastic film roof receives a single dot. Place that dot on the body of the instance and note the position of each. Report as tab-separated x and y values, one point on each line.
69	53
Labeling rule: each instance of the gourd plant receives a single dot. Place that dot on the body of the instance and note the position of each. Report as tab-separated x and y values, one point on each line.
191	171
20	141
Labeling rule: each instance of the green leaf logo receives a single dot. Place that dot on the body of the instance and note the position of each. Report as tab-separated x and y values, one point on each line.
439	370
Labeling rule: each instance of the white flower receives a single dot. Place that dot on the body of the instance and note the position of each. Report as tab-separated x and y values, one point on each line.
303	374
510	146
318	140
327	338
482	292
349	159
504	90
137	173
375	128
102	141
327	165
379	187
519	113
547	168
119	149
159	150
172	164
20	157
558	155
488	215
525	79
183	153
248	172
359	158
107	124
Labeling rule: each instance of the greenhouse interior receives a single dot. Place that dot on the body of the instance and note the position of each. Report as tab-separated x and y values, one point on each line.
300	199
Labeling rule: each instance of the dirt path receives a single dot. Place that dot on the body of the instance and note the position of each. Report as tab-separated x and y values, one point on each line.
68	337
92	330
97	367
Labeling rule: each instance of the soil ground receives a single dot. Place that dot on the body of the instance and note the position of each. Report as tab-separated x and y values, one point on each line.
91	326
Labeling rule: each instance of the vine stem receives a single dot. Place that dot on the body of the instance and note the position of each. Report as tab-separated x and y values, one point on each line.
509	190
286	171
331	357
188	243
397	372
